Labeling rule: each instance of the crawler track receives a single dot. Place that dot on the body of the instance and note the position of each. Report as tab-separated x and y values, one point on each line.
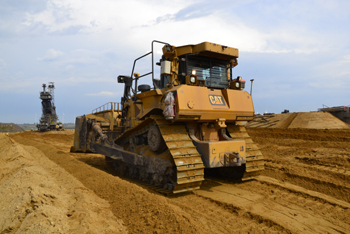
181	152
188	169
189	164
254	157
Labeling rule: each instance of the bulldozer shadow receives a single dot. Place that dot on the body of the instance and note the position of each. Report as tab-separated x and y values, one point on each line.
95	160
208	184
211	182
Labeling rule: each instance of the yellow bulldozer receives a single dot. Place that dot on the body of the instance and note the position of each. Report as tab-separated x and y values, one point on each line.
187	123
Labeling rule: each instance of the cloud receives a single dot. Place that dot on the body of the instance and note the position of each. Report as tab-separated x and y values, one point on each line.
292	49
69	67
51	55
104	94
3	64
73	81
90	16
334	73
250	26
346	58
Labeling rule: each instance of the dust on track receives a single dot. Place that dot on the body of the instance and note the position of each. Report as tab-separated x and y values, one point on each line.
312	160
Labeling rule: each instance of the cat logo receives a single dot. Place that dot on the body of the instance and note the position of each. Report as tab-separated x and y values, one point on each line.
217	100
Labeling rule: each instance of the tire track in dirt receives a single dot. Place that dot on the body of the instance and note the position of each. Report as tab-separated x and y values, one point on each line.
314	159
305	192
294	217
340	175
317	164
309	179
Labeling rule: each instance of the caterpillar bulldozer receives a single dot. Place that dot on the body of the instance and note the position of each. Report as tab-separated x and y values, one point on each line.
187	123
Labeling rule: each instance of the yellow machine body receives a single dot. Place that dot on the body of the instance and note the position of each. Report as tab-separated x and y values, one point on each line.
193	118
203	104
222	153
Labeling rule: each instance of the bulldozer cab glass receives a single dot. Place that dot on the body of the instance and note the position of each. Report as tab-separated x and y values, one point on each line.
214	72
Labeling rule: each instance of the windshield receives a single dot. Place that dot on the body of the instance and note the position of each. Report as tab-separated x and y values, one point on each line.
213	71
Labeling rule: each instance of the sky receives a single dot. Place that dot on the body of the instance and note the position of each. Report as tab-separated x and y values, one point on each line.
297	52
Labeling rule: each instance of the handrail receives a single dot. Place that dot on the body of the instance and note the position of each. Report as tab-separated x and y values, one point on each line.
160	42
133	68
132	72
105	107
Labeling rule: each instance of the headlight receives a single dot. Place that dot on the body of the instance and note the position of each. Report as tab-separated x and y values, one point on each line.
193	79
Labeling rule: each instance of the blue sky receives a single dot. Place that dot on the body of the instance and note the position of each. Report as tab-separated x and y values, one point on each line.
298	52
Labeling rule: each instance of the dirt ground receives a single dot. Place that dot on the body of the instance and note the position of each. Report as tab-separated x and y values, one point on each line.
304	189
309	120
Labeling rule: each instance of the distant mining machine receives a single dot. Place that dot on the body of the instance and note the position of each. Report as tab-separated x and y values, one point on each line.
341	112
49	118
187	123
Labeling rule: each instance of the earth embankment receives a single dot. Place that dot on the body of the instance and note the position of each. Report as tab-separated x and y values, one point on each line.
303	189
38	196
303	120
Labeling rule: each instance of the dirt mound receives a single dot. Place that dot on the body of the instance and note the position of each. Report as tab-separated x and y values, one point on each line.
37	196
318	120
10	127
309	120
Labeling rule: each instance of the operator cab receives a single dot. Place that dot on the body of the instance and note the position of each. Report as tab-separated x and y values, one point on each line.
201	71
